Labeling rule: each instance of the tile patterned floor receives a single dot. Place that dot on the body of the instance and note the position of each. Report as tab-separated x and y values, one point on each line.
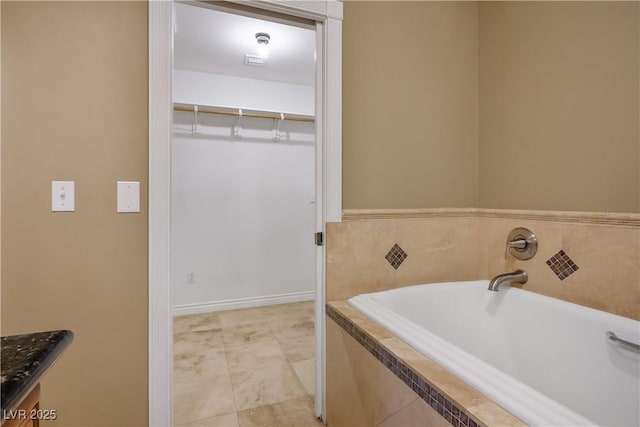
245	368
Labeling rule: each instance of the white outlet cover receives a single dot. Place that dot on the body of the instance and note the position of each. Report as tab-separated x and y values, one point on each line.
63	196
128	197
191	278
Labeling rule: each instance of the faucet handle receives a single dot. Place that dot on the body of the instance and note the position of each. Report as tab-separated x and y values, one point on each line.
518	243
522	244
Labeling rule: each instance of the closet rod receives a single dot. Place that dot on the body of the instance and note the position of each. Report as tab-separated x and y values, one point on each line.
245	113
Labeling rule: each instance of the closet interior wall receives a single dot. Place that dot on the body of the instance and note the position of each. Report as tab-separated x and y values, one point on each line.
243	207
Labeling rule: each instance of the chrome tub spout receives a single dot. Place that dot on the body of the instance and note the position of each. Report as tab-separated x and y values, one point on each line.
518	276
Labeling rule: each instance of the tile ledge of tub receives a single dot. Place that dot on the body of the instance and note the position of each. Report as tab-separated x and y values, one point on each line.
487	412
359	320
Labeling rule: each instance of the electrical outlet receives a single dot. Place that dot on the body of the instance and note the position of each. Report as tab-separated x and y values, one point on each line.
191	278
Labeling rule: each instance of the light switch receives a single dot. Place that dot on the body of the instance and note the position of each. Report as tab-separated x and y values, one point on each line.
128	196
63	198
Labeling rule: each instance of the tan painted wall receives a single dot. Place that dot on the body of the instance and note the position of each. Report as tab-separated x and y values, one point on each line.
432	89
559	106
409	104
0	168
74	107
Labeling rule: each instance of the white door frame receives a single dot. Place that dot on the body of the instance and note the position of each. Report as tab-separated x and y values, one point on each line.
328	15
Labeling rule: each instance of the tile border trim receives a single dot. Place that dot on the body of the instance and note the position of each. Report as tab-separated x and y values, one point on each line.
601	218
421	386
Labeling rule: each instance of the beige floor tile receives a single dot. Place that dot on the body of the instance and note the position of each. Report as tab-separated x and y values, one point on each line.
310	306
192	366
226	420
256	346
283	328
298	348
243	316
198	341
251	332
306	372
252	355
292	311
265	386
196	322
203	398
291	413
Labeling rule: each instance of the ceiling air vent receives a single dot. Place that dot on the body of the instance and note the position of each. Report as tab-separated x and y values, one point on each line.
255	60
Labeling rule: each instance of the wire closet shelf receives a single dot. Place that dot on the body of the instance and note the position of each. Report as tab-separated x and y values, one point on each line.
240	113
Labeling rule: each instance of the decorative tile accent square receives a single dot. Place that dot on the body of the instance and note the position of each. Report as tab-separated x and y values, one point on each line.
562	265
396	256
420	386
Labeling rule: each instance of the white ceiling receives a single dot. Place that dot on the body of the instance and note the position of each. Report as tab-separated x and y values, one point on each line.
213	41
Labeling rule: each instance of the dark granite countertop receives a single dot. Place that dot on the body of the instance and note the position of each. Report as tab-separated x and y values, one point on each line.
24	359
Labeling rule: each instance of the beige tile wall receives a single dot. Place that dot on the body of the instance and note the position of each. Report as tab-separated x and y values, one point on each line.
468	245
362	392
438	249
608	258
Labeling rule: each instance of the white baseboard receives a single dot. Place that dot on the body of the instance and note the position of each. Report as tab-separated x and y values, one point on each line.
234	304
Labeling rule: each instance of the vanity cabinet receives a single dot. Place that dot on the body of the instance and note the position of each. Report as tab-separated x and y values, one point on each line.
25	360
26	415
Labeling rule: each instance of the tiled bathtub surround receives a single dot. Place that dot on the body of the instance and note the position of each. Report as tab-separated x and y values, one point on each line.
423	388
454	245
375	379
468	244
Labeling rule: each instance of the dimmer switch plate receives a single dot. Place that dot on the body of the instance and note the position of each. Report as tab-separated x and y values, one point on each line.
128	199
63	196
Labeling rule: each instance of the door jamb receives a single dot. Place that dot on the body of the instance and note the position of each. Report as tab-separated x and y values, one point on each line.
328	14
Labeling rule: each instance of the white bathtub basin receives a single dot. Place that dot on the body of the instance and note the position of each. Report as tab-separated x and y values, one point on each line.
546	361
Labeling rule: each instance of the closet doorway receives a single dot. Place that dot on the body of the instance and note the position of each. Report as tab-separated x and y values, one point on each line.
244	207
328	20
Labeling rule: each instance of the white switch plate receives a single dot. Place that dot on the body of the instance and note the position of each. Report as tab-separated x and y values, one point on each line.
63	196
128	196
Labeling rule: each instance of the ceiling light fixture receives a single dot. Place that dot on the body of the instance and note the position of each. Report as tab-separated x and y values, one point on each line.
263	40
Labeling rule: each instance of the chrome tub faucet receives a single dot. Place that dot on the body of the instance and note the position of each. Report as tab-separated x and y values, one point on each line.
518	276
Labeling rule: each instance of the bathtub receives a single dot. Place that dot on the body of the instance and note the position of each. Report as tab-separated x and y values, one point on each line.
546	361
